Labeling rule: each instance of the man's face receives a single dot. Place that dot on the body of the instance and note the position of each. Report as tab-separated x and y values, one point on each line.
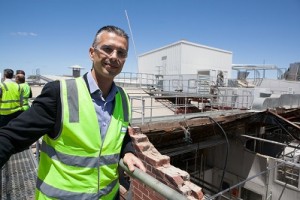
109	55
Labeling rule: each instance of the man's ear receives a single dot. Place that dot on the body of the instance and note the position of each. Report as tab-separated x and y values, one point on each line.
92	53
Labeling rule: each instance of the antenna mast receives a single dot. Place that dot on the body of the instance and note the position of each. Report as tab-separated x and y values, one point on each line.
131	37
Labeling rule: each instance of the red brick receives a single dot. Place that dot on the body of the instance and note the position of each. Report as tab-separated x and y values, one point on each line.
195	190
157	160
159	174
175	180
158	166
135	130
142	146
140	155
156	196
145	197
138	193
144	190
135	197
135	183
174	171
139	138
151	174
149	168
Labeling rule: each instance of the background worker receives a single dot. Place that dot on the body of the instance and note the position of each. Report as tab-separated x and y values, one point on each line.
10	98
84	123
25	89
22	72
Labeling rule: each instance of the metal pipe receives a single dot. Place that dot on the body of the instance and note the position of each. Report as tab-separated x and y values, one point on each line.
143	110
151	106
264	140
153	183
244	181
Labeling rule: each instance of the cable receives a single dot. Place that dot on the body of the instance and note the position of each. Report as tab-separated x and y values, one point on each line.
131	37
227	149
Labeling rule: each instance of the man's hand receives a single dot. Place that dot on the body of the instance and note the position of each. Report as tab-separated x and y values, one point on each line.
132	161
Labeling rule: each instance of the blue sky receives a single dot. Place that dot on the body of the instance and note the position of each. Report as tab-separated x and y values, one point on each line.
52	35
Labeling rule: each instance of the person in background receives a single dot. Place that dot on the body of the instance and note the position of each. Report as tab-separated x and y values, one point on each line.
84	123
10	98
25	89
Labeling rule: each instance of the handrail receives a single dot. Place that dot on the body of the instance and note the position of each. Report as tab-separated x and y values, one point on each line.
153	183
148	108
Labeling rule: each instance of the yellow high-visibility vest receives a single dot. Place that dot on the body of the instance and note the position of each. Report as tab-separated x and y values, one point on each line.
78	164
25	92
11	98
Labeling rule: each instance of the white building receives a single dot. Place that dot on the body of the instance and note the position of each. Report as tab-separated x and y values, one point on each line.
184	60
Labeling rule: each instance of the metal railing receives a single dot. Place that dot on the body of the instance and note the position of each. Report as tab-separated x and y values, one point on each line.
150	108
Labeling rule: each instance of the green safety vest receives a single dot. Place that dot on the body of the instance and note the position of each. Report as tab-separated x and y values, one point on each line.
25	95
78	164
11	98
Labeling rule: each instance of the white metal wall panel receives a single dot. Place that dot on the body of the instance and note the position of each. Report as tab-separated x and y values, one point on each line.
184	58
196	58
155	63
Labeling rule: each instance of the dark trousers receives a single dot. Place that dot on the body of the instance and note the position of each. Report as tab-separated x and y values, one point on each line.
4	119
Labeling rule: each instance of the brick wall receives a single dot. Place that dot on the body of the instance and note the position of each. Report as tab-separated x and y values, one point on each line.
159	167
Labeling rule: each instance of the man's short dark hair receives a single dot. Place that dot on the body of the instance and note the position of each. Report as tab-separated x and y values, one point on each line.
20	78
113	29
19	71
9	73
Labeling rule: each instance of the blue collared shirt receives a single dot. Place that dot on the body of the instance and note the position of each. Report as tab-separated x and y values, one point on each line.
103	107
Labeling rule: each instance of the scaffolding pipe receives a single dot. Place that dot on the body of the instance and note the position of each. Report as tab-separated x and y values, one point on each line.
153	183
244	181
265	140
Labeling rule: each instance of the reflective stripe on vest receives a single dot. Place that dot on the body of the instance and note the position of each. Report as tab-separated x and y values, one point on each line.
54	192
11	98
78	164
125	103
79	161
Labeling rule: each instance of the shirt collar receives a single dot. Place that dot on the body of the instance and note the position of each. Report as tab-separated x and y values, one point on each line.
92	83
8	80
94	87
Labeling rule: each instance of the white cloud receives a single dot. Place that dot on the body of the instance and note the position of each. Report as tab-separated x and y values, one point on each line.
25	34
32	34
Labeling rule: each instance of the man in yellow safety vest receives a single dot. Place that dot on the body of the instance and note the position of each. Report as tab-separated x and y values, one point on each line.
84	124
10	98
26	92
